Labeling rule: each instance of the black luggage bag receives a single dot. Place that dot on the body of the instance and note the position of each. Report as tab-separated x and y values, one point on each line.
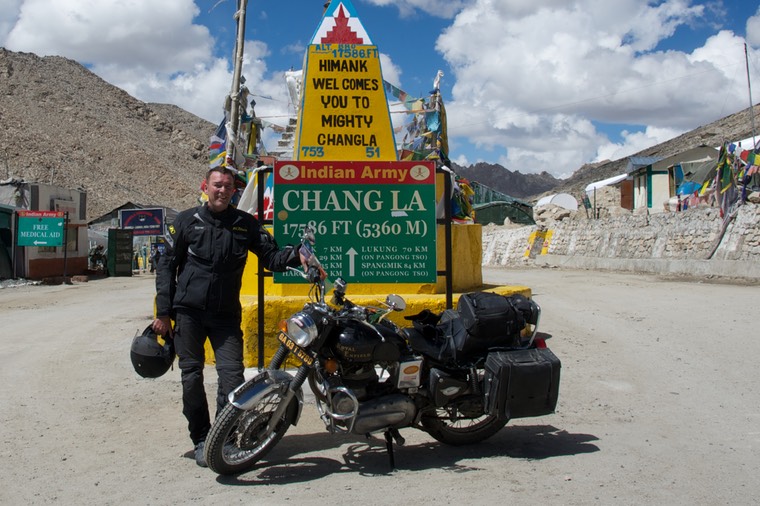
521	383
491	321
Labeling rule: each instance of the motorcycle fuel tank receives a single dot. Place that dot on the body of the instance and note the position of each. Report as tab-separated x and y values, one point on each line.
361	342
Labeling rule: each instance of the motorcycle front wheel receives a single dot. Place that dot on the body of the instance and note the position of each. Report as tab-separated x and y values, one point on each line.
462	422
240	438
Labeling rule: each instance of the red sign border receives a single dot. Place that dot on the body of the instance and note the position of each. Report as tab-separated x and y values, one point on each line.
41	214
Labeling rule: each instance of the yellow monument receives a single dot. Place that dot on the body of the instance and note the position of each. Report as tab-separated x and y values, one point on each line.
378	219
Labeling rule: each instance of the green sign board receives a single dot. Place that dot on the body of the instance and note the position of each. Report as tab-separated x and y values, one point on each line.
40	228
374	222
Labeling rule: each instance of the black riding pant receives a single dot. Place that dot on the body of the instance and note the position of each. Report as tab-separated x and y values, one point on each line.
190	332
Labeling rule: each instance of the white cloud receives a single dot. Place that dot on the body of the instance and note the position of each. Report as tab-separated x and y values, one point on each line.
634	142
152	50
462	160
156	36
9	10
391	72
532	80
753	30
439	8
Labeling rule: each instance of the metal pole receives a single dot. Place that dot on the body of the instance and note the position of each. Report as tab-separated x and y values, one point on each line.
65	242
449	256
749	88
446	222
14	242
448	240
260	279
237	72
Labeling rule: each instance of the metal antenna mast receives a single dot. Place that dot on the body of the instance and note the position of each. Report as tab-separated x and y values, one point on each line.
236	75
751	106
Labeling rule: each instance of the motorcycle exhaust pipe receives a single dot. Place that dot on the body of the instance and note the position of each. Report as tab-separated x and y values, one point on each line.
392	411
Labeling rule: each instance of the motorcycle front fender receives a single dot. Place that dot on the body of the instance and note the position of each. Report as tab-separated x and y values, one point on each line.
250	393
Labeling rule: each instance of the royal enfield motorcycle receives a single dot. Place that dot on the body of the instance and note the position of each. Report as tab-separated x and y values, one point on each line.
460	375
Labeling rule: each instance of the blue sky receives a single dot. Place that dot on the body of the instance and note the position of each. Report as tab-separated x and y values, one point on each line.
534	85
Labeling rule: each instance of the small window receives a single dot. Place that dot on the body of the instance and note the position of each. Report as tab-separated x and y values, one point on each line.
72	239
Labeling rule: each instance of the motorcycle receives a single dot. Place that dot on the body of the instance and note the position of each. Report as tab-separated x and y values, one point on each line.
96	259
460	375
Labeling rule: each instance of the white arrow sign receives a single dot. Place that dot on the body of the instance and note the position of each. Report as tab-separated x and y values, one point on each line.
351	261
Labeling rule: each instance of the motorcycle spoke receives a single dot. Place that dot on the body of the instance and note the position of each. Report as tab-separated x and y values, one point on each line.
241	437
463	422
457	420
248	428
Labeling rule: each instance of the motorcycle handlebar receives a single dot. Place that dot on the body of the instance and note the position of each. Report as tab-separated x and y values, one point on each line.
316	275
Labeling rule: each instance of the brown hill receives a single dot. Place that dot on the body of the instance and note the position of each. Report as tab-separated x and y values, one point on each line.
514	184
63	125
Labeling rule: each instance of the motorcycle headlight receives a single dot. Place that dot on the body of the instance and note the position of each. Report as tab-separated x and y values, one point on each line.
302	329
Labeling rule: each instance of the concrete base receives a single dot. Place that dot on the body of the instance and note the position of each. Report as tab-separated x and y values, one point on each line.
467	257
279	308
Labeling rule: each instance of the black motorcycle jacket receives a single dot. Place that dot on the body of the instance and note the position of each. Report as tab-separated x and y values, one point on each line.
203	268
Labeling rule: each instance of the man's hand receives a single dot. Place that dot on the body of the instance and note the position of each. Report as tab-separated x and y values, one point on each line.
163	327
304	261
305	253
310	261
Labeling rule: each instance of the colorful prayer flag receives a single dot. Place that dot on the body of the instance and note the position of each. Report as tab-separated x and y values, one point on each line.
217	148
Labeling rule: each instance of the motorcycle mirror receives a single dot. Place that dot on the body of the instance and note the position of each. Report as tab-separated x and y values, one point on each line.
340	286
308	235
395	302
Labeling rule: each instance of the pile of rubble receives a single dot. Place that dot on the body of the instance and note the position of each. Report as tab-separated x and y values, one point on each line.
604	203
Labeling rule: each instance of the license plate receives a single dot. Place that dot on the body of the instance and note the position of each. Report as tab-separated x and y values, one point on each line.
296	350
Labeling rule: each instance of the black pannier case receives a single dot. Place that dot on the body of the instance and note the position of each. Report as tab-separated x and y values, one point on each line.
521	383
491	320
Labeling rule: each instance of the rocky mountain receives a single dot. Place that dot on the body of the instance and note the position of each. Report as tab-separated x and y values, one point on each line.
63	125
515	184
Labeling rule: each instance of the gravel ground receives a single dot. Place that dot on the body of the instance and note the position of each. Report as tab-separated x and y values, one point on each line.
657	405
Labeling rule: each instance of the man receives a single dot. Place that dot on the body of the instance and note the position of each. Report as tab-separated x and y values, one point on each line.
155	256
198	285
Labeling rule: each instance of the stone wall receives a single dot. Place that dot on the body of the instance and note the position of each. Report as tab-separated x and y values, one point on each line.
677	242
505	245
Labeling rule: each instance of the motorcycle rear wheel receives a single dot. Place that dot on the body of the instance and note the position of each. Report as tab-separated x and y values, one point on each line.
239	438
462	423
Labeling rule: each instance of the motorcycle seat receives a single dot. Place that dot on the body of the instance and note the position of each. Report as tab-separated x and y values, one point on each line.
429	343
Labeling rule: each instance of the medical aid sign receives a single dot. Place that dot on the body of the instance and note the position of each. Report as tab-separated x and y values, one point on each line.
374	222
40	228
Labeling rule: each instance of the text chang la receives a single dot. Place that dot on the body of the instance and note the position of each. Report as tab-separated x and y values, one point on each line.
350	200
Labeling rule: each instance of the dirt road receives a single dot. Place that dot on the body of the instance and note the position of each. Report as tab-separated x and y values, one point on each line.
658	405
